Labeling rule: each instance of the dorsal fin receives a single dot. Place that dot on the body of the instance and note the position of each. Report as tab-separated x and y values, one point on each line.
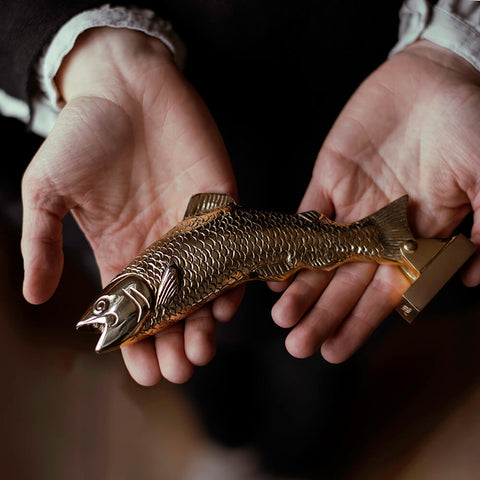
207	202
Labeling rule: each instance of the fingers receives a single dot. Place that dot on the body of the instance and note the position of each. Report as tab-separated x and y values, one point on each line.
41	241
42	256
336	302
225	306
299	297
278	287
471	274
173	353
200	336
377	302
338	321
141	362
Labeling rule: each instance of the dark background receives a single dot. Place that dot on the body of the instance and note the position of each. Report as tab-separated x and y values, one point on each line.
275	75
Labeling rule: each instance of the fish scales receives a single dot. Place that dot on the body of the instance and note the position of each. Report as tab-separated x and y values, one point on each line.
220	244
211	259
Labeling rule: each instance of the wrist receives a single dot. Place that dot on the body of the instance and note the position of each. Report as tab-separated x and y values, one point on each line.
107	60
444	57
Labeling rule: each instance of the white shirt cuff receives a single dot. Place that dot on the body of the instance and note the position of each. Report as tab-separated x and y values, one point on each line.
46	105
453	24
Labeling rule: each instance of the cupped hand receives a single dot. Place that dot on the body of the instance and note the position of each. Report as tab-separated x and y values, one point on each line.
412	127
132	144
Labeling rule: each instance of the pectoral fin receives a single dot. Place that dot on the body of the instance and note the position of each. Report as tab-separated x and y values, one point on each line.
169	286
208	202
310	216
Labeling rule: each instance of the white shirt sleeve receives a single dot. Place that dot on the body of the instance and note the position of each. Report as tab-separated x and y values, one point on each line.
47	104
453	24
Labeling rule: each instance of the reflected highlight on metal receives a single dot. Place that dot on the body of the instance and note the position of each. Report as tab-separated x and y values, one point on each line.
220	244
429	263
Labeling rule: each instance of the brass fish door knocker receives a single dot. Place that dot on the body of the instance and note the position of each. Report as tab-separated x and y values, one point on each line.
220	244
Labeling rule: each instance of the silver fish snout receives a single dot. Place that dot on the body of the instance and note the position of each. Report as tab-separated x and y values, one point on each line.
118	312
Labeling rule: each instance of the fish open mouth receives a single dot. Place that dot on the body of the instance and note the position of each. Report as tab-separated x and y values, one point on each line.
112	335
95	325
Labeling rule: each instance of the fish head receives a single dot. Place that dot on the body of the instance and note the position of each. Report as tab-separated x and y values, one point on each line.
119	311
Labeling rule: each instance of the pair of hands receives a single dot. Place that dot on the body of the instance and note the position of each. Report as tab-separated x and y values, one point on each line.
135	141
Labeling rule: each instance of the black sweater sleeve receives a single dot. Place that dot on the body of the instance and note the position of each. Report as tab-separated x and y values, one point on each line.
239	30
26	26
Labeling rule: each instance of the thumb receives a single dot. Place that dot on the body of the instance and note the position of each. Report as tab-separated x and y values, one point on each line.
42	238
316	197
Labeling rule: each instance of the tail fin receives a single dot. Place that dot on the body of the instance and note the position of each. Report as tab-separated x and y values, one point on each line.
392	223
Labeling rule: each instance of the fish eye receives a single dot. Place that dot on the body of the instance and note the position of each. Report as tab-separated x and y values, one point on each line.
112	319
101	306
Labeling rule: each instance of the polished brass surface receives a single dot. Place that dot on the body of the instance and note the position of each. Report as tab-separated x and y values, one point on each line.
221	244
429	266
119	311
